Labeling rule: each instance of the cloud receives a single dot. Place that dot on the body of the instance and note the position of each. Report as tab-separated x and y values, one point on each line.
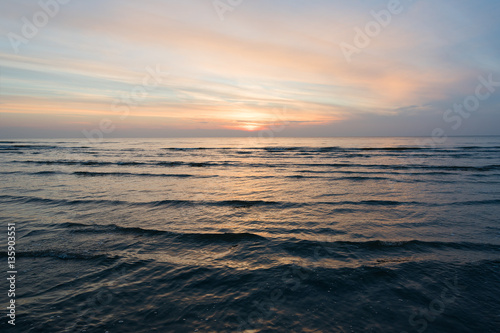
264	57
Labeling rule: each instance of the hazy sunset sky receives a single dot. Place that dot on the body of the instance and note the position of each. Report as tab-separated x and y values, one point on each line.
265	63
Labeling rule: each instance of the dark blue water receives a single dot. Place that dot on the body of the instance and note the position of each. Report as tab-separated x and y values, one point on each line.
254	235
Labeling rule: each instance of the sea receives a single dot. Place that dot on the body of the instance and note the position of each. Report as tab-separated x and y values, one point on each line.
252	234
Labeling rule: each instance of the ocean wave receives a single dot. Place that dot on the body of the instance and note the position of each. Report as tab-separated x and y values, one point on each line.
243	163
383	245
169	202
126	163
308	149
239	203
350	178
204	237
27	146
60	254
46	173
293	244
477	202
131	174
342	249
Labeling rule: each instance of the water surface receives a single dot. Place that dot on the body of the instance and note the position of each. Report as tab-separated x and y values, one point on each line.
256	235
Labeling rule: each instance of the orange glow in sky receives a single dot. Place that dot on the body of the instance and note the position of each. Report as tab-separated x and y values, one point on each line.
175	66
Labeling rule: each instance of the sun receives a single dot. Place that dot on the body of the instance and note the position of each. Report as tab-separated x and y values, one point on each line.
250	127
249	121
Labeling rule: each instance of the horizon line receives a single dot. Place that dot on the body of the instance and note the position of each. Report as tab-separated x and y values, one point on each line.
243	137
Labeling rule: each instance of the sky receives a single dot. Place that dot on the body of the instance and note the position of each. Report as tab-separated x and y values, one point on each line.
220	68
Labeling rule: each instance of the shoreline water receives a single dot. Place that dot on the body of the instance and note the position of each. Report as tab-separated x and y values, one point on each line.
290	235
